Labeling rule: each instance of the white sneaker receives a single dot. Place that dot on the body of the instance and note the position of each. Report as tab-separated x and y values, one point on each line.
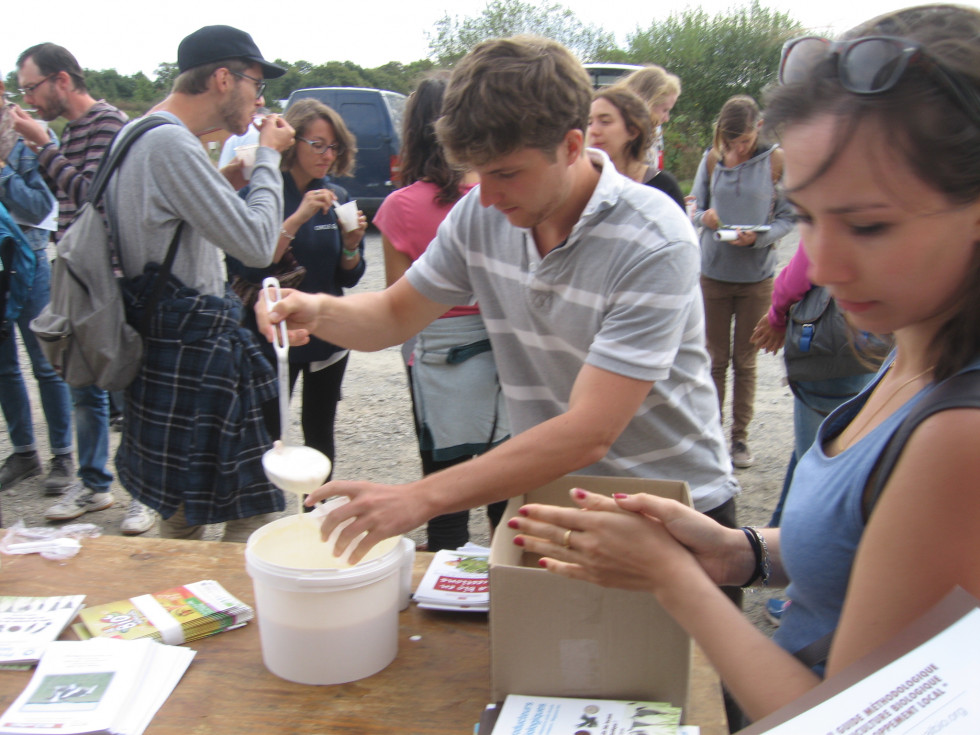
741	456
77	501
139	519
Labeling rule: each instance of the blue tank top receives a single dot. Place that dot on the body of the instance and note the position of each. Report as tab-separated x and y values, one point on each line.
822	522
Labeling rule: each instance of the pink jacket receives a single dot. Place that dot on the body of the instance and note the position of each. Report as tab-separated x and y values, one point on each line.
789	287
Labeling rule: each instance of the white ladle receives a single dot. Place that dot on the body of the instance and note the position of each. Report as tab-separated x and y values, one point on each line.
293	469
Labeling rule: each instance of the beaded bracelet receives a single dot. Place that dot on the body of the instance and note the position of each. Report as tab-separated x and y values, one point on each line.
350	254
763	564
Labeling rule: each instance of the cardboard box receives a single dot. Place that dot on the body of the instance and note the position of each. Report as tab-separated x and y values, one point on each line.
552	636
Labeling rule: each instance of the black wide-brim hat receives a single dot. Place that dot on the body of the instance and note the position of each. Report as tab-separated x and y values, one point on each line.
217	43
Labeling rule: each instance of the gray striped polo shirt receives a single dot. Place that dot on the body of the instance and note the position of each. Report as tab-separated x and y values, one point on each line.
622	294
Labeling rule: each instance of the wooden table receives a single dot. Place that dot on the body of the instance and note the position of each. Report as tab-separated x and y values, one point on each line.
438	683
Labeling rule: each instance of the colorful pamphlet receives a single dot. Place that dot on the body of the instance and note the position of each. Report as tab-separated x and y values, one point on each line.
456	580
174	616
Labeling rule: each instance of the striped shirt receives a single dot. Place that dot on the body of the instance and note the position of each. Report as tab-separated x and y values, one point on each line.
622	294
70	167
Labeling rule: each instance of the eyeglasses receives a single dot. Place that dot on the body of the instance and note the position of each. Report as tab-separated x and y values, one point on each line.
319	147
29	89
259	83
872	65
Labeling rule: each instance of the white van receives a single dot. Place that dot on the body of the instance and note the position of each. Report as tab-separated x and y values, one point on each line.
605	74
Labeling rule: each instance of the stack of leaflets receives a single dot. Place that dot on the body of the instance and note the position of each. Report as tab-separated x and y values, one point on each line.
174	616
522	715
97	686
28	624
457	580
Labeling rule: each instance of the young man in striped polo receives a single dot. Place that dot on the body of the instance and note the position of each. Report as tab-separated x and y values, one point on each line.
588	284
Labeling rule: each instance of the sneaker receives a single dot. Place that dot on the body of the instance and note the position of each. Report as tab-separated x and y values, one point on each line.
139	519
19	467
78	501
775	609
741	456
60	476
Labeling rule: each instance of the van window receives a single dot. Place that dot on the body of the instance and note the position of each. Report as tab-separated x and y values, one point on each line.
366	120
396	108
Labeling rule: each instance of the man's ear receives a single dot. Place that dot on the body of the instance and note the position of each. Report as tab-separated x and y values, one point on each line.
574	144
222	79
63	80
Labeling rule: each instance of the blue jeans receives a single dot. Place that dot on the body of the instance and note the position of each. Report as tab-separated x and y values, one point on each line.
55	398
813	401
92	433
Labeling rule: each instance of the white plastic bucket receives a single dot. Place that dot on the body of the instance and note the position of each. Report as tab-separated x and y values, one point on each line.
322	621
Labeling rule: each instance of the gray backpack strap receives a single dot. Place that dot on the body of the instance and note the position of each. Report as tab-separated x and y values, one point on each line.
111	161
959	391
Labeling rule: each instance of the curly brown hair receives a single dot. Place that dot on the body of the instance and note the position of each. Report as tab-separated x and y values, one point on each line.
301	115
513	93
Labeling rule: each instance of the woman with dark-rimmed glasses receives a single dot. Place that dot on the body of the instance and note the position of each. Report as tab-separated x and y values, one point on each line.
882	138
334	260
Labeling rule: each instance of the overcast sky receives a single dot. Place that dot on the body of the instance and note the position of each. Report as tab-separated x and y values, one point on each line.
131	37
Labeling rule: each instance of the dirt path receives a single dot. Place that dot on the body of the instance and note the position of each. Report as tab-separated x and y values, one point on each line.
376	441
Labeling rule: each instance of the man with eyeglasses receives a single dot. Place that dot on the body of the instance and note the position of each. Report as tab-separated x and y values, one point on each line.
194	434
52	82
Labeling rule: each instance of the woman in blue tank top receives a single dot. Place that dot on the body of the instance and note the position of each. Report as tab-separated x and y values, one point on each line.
881	132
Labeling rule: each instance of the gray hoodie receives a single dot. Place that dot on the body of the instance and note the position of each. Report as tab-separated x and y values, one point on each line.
741	195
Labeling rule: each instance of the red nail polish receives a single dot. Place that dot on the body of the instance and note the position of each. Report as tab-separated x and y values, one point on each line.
513	523
579	493
523	512
518	541
620	496
542	563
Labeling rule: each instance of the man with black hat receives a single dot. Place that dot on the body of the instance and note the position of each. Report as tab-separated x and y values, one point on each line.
193	433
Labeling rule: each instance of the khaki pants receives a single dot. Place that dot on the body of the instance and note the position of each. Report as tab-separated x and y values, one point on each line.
745	303
238	530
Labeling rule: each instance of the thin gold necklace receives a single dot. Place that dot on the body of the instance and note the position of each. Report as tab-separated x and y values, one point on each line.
844	444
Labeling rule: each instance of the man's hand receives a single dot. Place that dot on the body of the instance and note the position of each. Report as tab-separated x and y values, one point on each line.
378	512
275	132
300	310
33	132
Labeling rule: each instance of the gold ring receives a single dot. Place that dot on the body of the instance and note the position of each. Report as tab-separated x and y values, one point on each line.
566	539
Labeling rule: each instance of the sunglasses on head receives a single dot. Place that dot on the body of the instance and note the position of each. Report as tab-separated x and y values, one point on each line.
872	65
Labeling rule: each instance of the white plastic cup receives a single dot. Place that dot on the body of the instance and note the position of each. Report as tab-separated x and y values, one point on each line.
324	625
246	154
347	215
691	203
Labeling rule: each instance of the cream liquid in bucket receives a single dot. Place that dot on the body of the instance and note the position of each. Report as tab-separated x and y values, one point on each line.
321	620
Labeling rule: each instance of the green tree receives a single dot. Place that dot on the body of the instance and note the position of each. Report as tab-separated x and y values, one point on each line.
454	37
716	57
164	77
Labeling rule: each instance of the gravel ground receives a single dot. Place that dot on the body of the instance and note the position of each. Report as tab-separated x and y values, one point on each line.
376	439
